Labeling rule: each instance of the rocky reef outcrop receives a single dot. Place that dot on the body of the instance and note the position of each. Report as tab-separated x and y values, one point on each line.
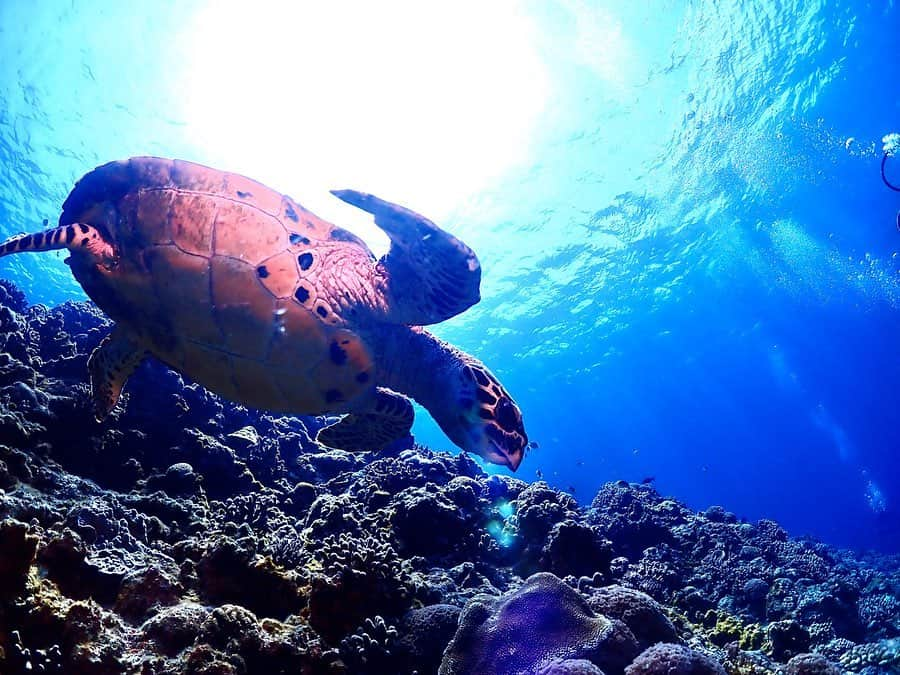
186	534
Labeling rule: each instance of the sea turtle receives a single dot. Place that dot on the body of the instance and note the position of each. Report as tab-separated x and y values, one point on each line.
244	291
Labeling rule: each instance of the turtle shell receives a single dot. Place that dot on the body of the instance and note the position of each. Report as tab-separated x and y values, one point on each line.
229	282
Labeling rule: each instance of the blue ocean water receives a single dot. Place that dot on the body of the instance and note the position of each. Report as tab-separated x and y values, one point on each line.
691	267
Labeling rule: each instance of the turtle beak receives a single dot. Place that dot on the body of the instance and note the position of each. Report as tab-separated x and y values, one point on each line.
497	455
514	459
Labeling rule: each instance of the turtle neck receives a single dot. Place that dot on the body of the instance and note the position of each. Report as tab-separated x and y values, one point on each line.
412	361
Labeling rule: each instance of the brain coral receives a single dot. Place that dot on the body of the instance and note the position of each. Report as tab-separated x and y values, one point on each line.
669	659
530	628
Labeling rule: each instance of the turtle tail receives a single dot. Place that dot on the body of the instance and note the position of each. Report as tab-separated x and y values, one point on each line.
75	237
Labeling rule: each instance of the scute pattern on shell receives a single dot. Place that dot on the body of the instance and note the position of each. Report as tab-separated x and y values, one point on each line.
269	277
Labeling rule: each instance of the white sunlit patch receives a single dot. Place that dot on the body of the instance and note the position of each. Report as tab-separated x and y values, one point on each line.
501	534
418	102
600	42
505	509
501	527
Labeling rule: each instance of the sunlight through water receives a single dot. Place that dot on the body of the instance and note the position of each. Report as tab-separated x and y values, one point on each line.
346	94
690	263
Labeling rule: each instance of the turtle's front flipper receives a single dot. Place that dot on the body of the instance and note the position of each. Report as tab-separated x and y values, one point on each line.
389	418
77	237
111	364
431	275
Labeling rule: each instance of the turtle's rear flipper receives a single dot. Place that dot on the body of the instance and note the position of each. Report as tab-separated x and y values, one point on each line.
431	275
77	237
389	418
111	364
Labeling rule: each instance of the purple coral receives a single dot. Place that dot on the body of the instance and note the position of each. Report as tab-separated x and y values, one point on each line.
669	659
527	629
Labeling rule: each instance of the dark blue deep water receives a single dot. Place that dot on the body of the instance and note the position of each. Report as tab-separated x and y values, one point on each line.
691	266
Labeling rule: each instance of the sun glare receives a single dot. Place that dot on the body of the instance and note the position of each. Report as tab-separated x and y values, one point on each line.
419	102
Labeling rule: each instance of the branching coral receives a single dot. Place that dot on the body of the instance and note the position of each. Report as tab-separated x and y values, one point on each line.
353	578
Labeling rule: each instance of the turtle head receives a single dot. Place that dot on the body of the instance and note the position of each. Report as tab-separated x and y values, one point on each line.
487	420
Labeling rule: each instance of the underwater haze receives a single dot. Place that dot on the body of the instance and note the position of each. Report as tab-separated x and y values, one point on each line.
691	265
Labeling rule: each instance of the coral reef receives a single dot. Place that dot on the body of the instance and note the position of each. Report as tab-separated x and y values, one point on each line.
225	541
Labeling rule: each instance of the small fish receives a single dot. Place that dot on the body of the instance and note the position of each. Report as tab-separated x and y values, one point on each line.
579	462
648	480
539	474
46	222
635	451
533	445
571	489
